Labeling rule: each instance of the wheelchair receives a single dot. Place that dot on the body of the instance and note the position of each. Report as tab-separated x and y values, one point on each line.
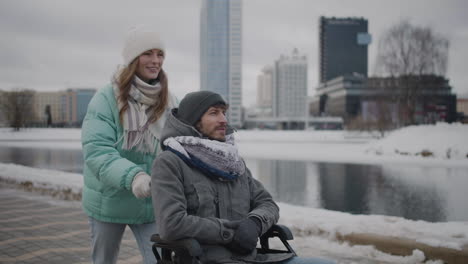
187	251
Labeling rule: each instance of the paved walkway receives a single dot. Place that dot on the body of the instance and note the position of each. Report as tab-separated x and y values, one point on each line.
40	229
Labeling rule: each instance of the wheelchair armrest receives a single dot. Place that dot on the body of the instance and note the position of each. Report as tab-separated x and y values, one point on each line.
189	245
280	231
283	233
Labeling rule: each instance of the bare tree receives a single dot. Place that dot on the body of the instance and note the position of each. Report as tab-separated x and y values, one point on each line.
17	107
408	52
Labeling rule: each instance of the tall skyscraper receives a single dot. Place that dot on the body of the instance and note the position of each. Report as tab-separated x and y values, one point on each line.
290	86
265	88
221	53
343	47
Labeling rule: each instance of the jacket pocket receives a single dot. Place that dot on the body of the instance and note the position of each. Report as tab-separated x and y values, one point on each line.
201	200
192	200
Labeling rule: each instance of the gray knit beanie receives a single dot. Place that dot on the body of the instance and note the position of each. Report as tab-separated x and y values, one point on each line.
194	105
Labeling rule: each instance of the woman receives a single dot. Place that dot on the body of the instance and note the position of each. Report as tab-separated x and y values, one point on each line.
120	138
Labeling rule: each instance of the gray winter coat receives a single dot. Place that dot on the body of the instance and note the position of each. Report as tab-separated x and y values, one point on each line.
189	204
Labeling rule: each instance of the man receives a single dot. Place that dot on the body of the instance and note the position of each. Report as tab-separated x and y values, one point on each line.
202	189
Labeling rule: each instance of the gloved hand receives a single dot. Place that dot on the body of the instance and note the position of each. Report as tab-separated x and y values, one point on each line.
246	236
141	185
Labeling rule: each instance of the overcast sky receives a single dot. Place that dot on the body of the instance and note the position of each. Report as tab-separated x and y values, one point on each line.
54	45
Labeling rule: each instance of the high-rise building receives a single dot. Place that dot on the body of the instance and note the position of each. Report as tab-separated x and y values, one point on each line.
265	88
290	86
221	53
342	47
282	94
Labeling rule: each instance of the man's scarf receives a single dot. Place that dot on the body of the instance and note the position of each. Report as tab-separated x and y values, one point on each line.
216	158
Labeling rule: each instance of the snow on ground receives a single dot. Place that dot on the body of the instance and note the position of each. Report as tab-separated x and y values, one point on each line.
54	138
42	178
40	134
312	221
441	141
318	136
400	146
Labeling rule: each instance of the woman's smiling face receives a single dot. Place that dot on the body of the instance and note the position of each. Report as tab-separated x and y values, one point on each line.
150	64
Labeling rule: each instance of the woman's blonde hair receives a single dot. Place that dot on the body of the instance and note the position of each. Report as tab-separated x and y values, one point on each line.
124	81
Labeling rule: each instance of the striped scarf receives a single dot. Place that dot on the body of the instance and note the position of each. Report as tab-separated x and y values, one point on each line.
138	132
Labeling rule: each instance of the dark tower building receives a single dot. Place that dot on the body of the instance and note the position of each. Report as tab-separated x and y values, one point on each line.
343	47
345	91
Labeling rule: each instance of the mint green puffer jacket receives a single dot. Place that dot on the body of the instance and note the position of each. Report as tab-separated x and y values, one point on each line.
108	169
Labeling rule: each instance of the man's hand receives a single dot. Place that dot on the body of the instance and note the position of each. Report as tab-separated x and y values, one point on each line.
141	185
246	236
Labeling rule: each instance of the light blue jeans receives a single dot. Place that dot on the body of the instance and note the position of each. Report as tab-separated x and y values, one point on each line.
106	238
299	260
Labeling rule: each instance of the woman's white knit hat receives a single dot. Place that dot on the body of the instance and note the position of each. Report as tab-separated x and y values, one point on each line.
138	40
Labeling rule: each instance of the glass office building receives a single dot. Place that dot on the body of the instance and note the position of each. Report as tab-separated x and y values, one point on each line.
221	53
343	46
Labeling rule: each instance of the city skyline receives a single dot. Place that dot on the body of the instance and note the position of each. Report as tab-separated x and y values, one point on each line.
49	45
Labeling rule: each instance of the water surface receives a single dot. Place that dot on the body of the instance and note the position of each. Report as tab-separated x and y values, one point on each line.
412	192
